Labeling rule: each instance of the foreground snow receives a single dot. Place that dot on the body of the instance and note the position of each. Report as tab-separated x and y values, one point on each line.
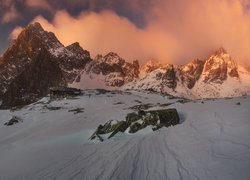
212	142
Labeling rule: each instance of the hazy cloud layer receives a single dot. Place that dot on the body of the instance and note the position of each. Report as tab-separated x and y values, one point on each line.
175	31
8	11
43	4
15	32
10	15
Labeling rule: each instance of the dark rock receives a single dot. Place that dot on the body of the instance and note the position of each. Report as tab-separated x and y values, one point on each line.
141	113
101	91
169	78
53	108
96	133
151	119
141	107
157	119
77	110
117	103
109	127
64	92
234	72
168	117
33	82
121	127
183	101
191	73
136	127
132	117
12	121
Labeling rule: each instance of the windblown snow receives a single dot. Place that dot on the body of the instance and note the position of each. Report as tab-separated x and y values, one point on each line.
212	141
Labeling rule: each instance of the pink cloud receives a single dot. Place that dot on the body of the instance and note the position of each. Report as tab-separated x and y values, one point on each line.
11	13
14	34
42	4
106	31
176	31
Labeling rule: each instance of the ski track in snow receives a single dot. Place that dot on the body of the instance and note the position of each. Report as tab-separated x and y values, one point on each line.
212	142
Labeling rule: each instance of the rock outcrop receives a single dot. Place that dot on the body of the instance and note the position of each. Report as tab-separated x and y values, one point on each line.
135	122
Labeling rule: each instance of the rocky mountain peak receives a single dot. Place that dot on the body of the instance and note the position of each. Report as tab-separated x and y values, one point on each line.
112	69
35	27
150	66
98	57
35	36
78	50
220	51
219	66
38	58
74	46
113	58
30	42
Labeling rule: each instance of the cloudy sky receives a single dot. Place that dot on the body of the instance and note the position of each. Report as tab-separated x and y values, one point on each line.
172	31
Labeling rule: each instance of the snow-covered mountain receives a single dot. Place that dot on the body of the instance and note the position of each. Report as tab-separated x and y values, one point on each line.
109	72
216	77
37	60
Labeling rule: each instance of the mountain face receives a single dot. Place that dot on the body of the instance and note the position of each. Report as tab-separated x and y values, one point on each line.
190	73
150	66
34	81
216	77
219	66
37	60
109	71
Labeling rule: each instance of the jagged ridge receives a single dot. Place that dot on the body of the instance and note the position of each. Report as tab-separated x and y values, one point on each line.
218	76
37	60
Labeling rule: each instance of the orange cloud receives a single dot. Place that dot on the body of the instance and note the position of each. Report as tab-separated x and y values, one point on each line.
15	32
12	13
202	26
176	31
106	31
43	4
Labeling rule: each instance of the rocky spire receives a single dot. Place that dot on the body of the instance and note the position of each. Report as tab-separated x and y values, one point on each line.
219	66
220	51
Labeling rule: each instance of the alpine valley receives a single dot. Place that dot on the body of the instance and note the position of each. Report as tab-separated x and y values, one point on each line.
123	121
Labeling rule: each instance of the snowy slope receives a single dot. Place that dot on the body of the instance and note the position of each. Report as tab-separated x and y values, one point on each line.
232	87
90	80
212	142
